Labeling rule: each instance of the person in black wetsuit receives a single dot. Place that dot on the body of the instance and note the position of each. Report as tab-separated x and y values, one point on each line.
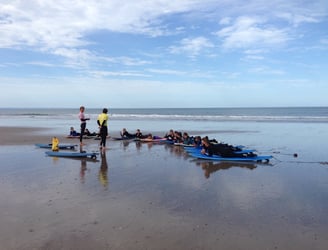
126	135
221	149
138	134
102	123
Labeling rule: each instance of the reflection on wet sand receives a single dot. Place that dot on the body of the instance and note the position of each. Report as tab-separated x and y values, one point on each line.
103	176
127	143
103	170
83	169
211	167
176	150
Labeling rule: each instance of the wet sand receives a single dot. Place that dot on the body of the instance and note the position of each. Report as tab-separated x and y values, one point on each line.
154	196
20	135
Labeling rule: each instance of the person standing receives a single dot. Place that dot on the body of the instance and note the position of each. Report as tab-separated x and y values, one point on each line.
83	123
102	123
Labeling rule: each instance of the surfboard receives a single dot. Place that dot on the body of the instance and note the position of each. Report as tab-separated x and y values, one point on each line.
183	145
92	155
198	150
60	146
154	139
258	158
123	138
78	137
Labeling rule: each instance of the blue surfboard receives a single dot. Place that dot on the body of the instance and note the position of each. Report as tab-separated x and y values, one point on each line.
92	155
60	146
198	150
257	158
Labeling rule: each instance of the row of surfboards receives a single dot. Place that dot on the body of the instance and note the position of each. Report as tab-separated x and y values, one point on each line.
245	154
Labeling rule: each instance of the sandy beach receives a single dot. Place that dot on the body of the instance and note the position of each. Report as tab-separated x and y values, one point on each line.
153	196
24	135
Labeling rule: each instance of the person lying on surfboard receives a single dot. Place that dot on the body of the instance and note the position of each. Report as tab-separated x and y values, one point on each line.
88	133
222	149
138	134
73	132
125	134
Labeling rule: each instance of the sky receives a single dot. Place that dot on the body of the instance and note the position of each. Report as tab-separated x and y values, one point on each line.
160	53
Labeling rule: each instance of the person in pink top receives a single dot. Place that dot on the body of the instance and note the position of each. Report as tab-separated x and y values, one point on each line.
83	123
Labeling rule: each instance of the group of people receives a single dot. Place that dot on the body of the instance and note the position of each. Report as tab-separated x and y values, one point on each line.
208	147
126	135
102	123
73	132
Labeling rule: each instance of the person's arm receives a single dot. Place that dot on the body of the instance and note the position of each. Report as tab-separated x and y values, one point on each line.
82	118
210	150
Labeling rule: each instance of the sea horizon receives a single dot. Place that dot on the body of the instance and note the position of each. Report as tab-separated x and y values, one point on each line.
287	114
195	107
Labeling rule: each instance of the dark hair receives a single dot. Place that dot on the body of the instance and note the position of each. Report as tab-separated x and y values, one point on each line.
105	110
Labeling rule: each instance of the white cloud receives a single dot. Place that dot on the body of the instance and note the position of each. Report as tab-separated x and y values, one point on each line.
265	70
60	23
167	71
117	74
54	25
252	32
297	19
192	46
324	41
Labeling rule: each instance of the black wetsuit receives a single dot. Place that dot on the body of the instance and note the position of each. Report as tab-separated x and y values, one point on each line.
221	149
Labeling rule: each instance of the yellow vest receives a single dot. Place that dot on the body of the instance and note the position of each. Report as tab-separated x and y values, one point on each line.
103	117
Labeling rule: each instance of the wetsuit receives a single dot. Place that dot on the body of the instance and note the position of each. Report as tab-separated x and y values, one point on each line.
83	125
102	122
222	149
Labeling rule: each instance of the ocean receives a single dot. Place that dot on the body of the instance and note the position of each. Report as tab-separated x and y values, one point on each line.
53	117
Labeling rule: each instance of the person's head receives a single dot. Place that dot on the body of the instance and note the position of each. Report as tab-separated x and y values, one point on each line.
205	141
72	128
105	111
197	138
82	108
